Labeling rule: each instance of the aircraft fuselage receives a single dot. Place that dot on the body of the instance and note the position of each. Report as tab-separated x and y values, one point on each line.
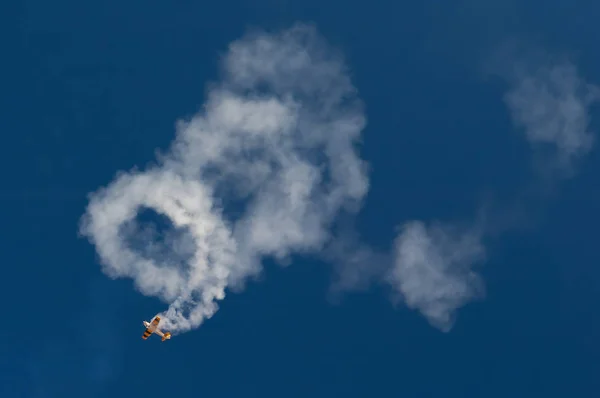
152	327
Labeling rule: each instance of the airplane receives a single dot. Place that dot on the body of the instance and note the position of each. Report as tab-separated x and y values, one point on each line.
152	327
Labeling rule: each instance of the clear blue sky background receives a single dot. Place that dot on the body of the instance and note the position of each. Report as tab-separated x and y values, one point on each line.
90	88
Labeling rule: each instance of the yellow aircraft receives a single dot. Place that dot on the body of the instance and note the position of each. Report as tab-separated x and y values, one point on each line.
152	327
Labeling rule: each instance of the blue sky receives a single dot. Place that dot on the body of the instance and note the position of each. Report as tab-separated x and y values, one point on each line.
467	190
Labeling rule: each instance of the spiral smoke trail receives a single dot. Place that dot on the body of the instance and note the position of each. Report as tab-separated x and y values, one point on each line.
275	141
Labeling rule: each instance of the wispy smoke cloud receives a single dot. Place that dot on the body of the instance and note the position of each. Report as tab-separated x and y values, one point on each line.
274	144
552	104
434	269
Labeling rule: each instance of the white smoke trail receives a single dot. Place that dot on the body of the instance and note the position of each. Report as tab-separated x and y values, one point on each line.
434	266
433	270
551	102
275	141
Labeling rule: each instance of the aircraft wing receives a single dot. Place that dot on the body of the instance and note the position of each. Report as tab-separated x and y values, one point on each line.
147	334
156	320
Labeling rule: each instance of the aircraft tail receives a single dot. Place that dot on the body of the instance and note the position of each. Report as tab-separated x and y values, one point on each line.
166	336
